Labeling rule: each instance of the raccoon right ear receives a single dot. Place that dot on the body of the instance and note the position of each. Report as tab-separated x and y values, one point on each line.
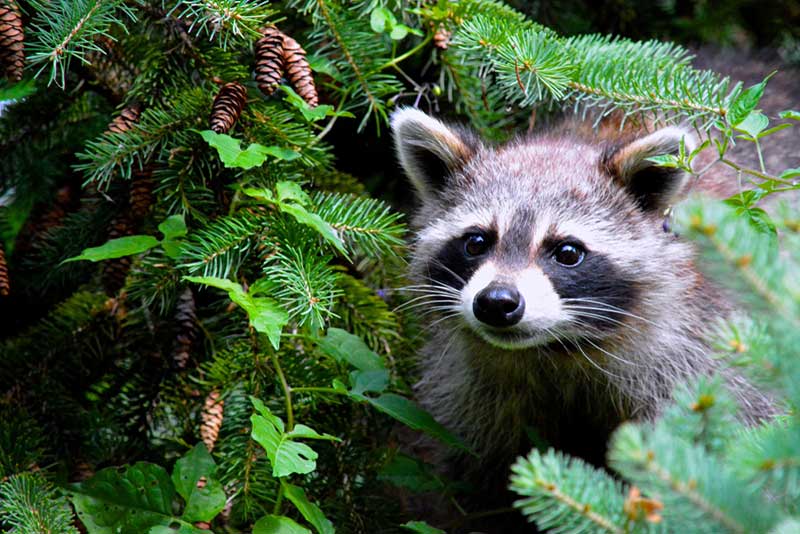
430	151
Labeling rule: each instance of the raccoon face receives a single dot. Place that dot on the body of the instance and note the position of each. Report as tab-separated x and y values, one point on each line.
540	241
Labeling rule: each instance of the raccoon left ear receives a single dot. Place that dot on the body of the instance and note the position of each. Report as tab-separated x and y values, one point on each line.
653	187
429	150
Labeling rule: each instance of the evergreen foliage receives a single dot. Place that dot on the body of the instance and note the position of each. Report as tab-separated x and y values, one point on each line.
295	366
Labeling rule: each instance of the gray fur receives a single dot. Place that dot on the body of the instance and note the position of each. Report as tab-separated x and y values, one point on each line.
489	395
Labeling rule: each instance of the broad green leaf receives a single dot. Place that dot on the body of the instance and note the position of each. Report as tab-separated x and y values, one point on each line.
343	346
381	19
421	527
312	114
206	499
323	65
314	221
127	500
291	191
790	114
220	283
278	524
18	90
117	248
754	124
790	173
262	193
232	155
285	455
177	528
410	473
310	511
412	416
399	32
173	227
745	103
373	381
757	217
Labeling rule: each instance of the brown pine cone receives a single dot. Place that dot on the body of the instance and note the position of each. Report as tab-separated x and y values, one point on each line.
116	270
186	319
227	107
298	71
140	197
126	119
12	45
441	39
212	416
5	286
269	60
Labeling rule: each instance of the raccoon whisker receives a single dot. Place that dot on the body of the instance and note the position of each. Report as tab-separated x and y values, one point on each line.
428	302
579	314
444	318
595	365
608	307
448	269
614	356
429	289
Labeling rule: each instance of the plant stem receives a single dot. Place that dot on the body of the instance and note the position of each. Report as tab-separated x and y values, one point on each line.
317	390
287	393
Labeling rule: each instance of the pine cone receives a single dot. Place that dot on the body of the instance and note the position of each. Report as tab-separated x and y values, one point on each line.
227	106
12	46
186	318
140	196
441	39
126	119
116	270
269	60
5	287
298	71
212	416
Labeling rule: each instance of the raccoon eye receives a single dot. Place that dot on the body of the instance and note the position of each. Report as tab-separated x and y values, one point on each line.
476	244
569	254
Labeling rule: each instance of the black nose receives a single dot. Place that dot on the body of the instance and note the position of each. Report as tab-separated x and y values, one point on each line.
498	305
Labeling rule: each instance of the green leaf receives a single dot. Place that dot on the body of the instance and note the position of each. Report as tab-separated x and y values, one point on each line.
263	194
205	502
314	221
278	524
381	19
117	248
399	32
255	155
757	217
754	124
790	173
291	191
343	346
285	455
310	511
745	103
173	227
312	114
666	160
18	90
177	528
790	114
412	416
410	473
374	381
220	283
126	500
421	527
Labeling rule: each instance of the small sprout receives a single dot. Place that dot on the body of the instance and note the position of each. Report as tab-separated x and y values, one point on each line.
704	402
637	507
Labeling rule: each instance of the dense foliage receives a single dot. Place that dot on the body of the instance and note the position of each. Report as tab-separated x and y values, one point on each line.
203	330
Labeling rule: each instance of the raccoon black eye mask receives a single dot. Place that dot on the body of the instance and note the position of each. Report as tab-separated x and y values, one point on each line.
555	288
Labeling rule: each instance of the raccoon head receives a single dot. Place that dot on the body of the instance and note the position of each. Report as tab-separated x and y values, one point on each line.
543	239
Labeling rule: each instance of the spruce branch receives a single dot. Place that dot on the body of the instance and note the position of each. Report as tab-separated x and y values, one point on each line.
30	505
222	19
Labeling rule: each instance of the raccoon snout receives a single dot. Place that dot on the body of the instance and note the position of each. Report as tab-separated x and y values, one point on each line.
498	305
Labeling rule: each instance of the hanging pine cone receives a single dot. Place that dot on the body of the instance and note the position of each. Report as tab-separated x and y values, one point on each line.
269	60
5	287
140	197
12	46
441	39
212	416
186	319
116	270
298	71
126	119
227	106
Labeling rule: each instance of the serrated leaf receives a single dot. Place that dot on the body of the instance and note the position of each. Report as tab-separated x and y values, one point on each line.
173	227
291	191
754	124
310	511
232	155
745	103
278	524
285	455
343	346
412	416
314	221
421	527
117	248
127	500
203	501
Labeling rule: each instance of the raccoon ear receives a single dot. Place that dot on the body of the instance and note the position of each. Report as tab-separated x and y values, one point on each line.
429	150
653	187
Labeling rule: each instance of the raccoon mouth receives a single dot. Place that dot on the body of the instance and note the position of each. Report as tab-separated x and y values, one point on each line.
512	340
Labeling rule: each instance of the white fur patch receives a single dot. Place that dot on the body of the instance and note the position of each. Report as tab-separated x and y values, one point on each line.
542	303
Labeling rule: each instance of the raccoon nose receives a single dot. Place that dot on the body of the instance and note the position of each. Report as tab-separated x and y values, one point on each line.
498	305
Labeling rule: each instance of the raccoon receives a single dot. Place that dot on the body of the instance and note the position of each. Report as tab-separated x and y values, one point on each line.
562	308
